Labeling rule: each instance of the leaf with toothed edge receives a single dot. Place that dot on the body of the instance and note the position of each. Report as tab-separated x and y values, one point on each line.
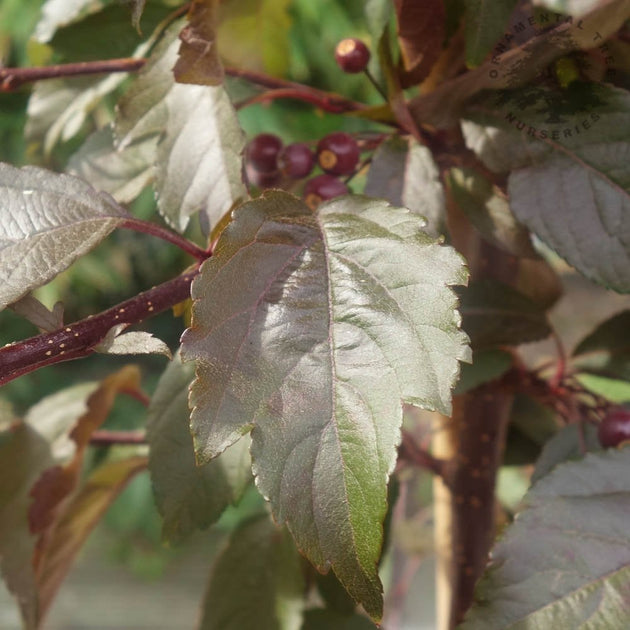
312	329
48	221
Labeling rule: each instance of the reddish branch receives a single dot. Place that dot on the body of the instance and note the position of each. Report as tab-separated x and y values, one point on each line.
81	338
13	78
108	438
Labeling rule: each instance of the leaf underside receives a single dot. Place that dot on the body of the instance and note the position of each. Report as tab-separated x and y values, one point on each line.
48	221
312	329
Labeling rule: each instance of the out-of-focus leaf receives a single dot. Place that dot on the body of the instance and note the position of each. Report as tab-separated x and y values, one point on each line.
489	211
378	14
324	619
421	31
122	172
132	343
313	328
537	279
137	7
614	390
572	190
256	582
243	36
56	484
404	173
58	13
80	516
574	8
443	106
188	496
198	59
487	365
385	178
26	450
48	221
486	22
333	593
199	155
422	190
495	314
32	309
565	561
533	419
564	446
107	34
607	348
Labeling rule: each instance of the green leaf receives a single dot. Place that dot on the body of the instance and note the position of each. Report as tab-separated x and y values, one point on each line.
612	389
489	211
256	582
313	329
122	172
573	191
243	37
486	22
564	446
565	561
606	349
188	496
496	314
378	14
323	619
404	173
49	221
199	155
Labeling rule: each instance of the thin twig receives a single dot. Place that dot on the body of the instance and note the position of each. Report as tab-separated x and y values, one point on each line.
109	438
409	451
13	78
281	88
167	235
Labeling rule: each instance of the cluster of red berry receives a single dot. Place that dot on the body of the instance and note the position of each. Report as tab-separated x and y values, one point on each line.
268	161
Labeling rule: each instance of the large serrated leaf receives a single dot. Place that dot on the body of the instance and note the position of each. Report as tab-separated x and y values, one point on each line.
256	582
313	329
565	562
199	160
571	183
188	496
48	221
